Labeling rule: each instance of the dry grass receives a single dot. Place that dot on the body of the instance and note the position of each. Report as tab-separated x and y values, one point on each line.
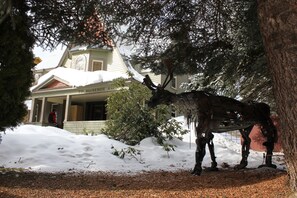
258	183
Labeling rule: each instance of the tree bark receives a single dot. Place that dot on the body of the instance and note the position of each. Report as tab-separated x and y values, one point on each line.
278	25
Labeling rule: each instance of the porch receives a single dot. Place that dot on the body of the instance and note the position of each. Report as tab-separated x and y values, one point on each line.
78	111
79	127
85	127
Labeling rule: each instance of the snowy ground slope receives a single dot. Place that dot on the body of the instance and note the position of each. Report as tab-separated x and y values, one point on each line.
49	149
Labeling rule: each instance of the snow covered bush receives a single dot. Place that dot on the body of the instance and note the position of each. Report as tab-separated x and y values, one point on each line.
130	120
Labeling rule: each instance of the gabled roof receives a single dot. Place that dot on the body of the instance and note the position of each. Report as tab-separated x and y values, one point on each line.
94	31
135	74
53	82
66	77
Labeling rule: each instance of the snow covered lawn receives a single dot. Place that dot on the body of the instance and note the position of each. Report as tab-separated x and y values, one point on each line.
49	149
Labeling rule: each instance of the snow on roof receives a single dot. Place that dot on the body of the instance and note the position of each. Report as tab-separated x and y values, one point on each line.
137	76
86	47
78	78
50	59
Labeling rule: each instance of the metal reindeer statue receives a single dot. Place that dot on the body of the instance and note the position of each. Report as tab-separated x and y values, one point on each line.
217	114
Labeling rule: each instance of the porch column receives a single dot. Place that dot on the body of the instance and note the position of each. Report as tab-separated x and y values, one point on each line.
42	116
67	108
32	112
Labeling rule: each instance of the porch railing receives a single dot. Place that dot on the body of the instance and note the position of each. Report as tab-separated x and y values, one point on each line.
85	127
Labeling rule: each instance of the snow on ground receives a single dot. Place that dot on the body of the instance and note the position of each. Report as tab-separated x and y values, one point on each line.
50	149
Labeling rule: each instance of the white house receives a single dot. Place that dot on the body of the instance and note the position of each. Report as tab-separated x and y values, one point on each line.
78	83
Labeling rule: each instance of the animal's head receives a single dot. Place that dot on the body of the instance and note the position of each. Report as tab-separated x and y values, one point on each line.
159	94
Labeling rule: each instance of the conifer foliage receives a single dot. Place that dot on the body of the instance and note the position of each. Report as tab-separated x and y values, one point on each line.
16	63
40	22
219	39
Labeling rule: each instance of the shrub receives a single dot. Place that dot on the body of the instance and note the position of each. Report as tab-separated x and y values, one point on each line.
130	120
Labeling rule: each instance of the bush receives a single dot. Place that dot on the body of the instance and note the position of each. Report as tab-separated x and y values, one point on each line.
130	120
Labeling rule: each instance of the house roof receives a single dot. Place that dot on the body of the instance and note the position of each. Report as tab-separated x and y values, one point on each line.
93	32
135	74
87	47
49	59
76	78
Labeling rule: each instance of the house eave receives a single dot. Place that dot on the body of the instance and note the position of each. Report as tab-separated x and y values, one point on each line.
77	90
48	81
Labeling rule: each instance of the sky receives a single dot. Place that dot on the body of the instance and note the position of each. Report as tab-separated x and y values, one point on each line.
51	58
54	150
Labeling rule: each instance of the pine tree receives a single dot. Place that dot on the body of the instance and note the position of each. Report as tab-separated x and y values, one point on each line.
16	62
40	22
278	27
219	39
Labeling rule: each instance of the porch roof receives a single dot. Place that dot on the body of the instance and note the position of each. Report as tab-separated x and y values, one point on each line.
77	78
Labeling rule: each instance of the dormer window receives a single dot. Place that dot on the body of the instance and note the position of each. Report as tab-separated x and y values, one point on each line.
97	65
80	62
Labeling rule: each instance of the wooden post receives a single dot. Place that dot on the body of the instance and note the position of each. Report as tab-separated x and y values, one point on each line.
32	112
43	105
67	108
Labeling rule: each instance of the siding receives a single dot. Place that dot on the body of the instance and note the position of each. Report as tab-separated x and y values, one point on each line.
115	62
55	84
83	127
99	55
159	79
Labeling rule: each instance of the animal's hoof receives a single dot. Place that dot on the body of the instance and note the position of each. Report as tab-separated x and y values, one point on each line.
240	166
197	173
211	169
197	169
268	165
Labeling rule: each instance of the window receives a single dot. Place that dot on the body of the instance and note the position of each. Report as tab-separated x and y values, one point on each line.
174	82
97	65
96	111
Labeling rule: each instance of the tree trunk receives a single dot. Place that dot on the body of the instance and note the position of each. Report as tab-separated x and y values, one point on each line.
278	25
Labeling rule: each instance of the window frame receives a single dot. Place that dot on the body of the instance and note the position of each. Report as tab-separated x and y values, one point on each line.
98	61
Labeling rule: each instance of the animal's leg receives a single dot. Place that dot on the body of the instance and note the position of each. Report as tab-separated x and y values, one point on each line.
199	155
203	126
269	131
245	150
268	160
212	153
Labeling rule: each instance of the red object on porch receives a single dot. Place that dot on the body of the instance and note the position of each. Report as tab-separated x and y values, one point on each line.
258	139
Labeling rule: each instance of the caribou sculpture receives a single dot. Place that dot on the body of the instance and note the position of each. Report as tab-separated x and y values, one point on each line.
216	114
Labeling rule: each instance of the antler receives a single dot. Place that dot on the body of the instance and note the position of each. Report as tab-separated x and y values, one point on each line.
149	83
167	80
